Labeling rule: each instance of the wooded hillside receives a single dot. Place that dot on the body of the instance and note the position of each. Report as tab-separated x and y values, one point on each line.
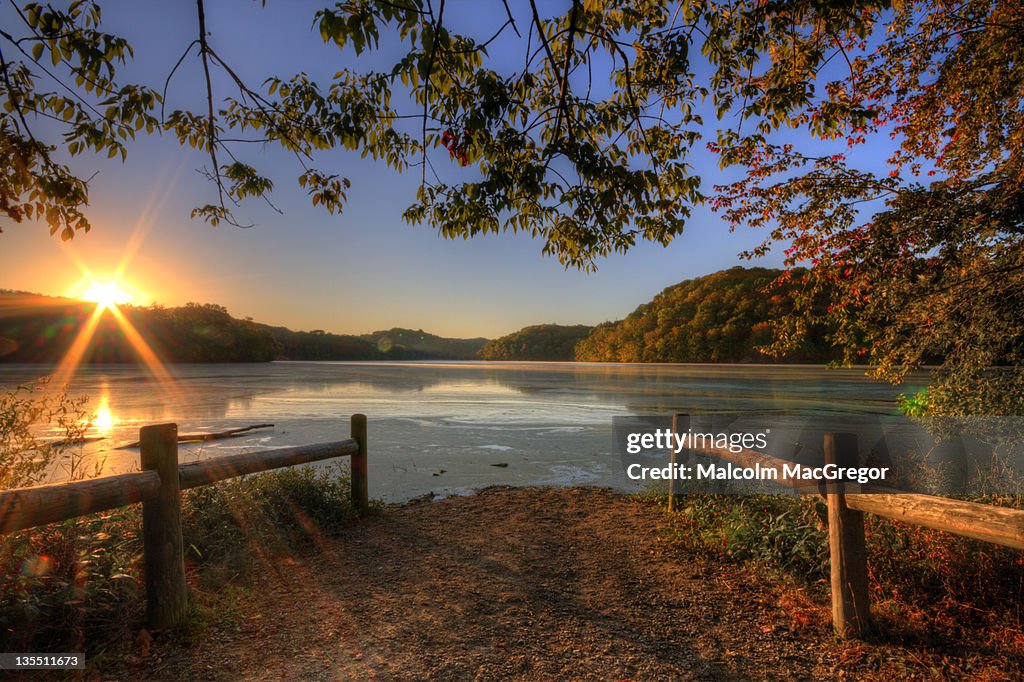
721	317
37	328
552	342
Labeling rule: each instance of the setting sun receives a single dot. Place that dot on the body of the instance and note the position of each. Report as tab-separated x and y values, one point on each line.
107	292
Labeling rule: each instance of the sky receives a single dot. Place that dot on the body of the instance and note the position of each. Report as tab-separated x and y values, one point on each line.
361	271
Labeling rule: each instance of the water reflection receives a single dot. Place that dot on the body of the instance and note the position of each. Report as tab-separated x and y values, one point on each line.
479	423
467	390
103	423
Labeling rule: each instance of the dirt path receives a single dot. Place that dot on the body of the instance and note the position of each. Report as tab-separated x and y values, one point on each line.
508	584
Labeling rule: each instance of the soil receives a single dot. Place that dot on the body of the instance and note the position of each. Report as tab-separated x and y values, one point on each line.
518	583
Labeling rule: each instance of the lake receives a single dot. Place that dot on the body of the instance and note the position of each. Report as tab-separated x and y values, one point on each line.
451	427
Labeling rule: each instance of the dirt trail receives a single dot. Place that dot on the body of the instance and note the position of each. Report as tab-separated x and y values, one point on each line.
522	583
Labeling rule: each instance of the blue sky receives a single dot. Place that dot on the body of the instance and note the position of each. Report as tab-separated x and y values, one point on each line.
364	270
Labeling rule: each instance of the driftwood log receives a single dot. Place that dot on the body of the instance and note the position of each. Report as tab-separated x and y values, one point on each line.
200	437
71	442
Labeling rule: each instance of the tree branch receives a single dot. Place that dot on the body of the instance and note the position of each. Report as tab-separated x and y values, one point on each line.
564	85
204	49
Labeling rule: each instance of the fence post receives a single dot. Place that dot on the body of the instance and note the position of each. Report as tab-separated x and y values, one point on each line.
678	421
360	483
851	613
166	590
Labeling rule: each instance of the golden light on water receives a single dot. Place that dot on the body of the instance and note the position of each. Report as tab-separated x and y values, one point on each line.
104	420
109	291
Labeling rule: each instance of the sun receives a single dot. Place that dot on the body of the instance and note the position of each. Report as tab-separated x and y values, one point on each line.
106	292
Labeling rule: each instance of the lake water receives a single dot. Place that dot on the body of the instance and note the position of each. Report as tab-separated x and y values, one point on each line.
442	427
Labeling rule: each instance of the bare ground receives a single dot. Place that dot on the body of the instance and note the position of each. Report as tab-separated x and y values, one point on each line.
523	583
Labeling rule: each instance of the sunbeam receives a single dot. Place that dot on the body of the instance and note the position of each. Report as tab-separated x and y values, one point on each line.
73	357
108	294
149	358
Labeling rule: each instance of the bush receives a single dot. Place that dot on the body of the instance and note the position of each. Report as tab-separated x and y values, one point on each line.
25	458
782	531
61	581
78	585
236	523
965	581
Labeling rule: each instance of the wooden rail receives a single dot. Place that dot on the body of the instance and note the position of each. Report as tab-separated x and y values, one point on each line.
212	470
847	551
158	487
27	507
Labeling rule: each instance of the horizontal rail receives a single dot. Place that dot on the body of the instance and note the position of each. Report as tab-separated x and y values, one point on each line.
221	468
750	458
985	522
998	525
158	487
23	508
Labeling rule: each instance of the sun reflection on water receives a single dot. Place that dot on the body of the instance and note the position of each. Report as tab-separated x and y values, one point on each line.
104	420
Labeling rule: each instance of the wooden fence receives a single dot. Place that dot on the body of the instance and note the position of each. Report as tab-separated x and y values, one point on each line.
847	548
158	487
162	478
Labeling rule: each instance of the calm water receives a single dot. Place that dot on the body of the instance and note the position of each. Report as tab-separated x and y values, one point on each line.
441	427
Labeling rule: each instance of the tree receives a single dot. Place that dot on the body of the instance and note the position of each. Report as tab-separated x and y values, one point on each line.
720	317
547	342
585	173
920	260
588	145
67	51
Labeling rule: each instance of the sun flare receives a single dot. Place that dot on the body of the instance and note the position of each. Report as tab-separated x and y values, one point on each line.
108	292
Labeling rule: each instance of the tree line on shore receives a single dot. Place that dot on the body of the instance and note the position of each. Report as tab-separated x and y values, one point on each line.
35	328
722	317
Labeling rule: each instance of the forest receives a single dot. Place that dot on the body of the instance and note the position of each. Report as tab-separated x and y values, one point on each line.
722	317
550	342
36	328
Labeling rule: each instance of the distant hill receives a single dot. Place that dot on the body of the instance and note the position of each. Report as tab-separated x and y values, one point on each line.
722	317
37	328
554	342
418	344
320	345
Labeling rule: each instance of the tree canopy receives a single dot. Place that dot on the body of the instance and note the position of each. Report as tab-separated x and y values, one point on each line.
722	317
878	143
546	342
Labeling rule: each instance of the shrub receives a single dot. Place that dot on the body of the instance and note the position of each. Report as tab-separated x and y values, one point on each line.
78	585
968	581
25	457
783	531
235	523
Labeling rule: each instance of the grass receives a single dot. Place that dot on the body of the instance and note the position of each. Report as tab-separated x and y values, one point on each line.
78	585
929	589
